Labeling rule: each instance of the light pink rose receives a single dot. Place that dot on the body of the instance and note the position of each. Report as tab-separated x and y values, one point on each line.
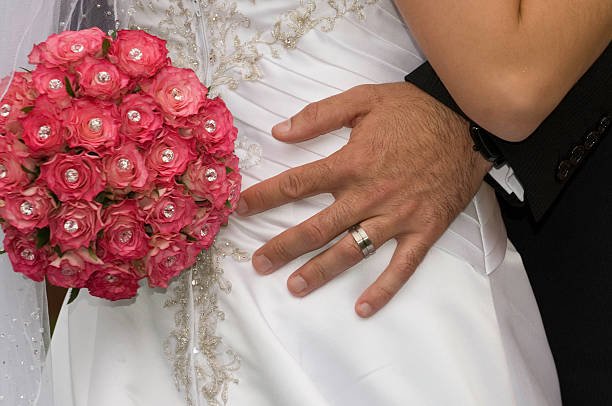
141	118
27	210
125	169
124	237
138	54
72	269
206	179
205	227
92	124
73	177
68	48
14	154
169	155
25	256
75	224
168	257
113	282
215	132
101	79
43	132
21	93
52	82
168	210
177	91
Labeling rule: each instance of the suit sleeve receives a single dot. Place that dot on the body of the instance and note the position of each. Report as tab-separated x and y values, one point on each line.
545	162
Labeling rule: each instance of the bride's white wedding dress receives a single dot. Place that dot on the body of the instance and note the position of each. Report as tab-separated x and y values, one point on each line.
465	330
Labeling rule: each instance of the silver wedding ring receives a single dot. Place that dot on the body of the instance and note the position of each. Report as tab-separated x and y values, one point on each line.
362	240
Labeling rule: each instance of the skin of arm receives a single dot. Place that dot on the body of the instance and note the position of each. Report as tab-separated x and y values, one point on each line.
508	63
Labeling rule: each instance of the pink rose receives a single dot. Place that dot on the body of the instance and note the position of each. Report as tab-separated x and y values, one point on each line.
177	91
25	255
125	169
27	210
14	155
101	79
138	54
52	82
206	179
113	282
72	269
68	48
75	224
169	155
43	132
169	210
21	93
205	227
168	257
124	237
141	119
216	132
93	124
73	177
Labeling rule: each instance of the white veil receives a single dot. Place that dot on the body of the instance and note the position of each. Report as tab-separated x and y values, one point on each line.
25	371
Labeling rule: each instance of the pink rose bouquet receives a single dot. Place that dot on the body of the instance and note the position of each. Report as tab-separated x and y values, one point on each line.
114	165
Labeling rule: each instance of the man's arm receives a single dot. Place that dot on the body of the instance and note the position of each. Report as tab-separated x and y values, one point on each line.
545	161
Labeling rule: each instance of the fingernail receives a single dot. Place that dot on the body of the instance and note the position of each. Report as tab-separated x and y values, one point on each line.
297	284
262	264
242	207
364	310
283	127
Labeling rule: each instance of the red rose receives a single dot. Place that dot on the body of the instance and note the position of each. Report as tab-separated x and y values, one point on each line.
177	91
168	257
169	210
215	132
21	93
73	177
138	54
75	224
28	209
72	269
125	169
205	227
113	282
124	237
92	124
14	155
68	48
101	79
141	119
43	132
25	255
169	155
52	82
206	179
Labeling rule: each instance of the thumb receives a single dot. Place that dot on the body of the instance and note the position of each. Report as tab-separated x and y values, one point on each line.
324	116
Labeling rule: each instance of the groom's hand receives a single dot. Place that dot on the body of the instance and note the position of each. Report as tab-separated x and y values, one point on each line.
407	171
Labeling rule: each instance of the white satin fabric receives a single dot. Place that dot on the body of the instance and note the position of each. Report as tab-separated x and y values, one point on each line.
465	330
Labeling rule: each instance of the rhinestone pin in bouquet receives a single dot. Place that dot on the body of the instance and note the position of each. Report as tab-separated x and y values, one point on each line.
114	165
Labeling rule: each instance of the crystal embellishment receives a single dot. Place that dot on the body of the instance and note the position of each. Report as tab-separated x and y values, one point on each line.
55	84
177	94
103	77
28	255
71	226
124	165
126	236
211	175
134	116
27	208
170	261
135	54
71	175
3	172
95	124
111	278
169	211
210	126
5	110
44	132
67	272
77	48
204	231
167	155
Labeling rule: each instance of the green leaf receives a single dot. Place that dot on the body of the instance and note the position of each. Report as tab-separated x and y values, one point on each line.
27	109
106	44
228	204
25	69
114	35
74	293
69	88
58	251
100	197
92	253
26	170
42	237
2	252
228	170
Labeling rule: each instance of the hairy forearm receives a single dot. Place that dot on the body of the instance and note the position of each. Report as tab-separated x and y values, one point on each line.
509	63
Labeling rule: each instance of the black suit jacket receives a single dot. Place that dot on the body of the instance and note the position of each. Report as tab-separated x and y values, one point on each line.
564	229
